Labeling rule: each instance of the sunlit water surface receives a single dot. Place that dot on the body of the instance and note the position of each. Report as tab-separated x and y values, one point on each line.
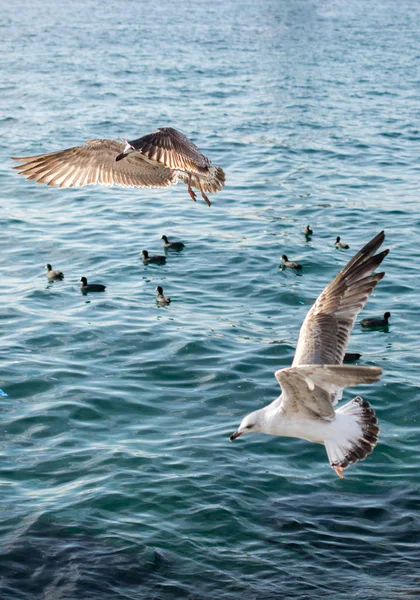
117	477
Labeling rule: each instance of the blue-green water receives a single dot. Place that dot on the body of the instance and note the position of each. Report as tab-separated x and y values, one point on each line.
117	477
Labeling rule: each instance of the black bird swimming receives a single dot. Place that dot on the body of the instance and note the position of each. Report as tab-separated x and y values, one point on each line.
158	259
351	357
172	245
158	159
160	298
53	273
341	245
91	287
376	322
290	263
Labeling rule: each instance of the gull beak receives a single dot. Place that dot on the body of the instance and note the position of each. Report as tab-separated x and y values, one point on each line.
127	150
235	435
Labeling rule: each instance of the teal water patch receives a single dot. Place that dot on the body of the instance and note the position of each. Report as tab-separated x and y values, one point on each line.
118	478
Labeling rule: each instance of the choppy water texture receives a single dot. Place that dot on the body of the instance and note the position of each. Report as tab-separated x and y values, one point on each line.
117	477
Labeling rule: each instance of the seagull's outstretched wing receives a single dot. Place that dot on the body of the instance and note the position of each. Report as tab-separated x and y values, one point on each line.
94	163
310	389
173	150
326	330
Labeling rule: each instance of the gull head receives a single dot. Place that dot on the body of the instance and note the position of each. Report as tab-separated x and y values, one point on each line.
249	424
127	150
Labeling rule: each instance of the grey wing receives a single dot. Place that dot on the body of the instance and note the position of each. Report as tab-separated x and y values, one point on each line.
94	163
326	329
170	148
310	390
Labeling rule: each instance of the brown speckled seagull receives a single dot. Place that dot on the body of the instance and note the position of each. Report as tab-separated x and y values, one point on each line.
158	159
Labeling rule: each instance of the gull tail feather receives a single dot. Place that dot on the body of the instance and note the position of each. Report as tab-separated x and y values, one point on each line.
355	434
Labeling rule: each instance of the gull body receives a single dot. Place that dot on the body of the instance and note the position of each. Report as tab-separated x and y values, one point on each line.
158	159
305	428
313	385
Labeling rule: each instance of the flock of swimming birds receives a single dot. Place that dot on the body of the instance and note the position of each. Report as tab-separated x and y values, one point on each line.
314	383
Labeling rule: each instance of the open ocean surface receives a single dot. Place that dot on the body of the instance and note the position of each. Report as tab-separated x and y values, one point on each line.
117	477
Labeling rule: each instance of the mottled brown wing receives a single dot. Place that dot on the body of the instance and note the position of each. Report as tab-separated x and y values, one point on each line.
311	389
170	148
94	163
326	330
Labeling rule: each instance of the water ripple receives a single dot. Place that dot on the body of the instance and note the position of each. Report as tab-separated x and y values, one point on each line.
118	479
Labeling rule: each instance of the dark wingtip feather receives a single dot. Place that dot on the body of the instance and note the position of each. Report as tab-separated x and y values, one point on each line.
369	438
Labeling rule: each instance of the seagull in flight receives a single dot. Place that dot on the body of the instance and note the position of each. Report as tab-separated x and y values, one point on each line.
313	385
158	159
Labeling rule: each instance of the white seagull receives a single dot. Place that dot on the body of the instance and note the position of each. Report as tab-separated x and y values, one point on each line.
314	383
158	159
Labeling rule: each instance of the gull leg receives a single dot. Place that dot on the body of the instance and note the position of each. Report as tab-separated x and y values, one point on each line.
339	471
190	190
203	194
